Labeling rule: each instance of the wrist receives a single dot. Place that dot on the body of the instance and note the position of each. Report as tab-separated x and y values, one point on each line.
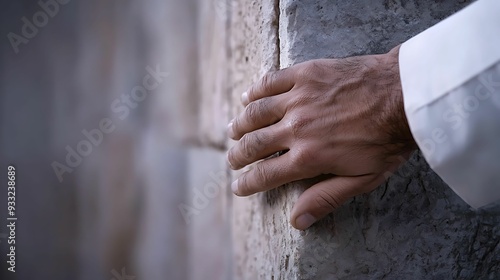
399	129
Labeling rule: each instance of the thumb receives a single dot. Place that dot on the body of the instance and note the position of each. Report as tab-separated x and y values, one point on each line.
324	197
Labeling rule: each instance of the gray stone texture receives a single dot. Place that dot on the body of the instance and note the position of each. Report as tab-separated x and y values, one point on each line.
333	29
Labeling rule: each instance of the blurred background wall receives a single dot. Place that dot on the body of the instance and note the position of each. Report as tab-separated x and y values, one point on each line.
104	206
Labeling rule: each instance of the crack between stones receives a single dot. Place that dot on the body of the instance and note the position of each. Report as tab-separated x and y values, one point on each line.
277	30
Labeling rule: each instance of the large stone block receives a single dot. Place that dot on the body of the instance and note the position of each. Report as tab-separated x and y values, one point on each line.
254	46
333	29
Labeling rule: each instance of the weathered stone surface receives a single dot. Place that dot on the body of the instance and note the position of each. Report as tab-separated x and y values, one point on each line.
259	248
254	45
333	29
412	227
266	246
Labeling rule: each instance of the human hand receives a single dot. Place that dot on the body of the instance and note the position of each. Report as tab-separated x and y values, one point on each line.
341	117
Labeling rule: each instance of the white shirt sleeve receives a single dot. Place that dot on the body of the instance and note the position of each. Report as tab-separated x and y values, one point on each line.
450	76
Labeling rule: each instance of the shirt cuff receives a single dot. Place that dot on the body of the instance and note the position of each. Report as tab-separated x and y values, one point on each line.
440	75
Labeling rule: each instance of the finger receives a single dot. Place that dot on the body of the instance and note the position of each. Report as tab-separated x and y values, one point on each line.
273	83
257	145
267	175
258	114
326	196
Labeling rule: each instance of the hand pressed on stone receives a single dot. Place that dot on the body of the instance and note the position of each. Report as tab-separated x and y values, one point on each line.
342	117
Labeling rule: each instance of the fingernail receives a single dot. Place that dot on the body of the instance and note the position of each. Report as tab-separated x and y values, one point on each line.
234	187
244	98
304	221
230	131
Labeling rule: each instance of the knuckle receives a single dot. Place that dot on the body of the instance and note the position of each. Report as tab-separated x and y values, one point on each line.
300	100
250	111
247	146
259	138
261	176
255	109
243	184
309	70
327	200
268	81
231	158
236	125
297	124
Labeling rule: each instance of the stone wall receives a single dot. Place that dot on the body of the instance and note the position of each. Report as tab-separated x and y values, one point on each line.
412	227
